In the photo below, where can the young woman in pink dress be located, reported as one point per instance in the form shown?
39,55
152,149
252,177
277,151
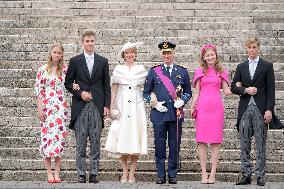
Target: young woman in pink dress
207,108
52,109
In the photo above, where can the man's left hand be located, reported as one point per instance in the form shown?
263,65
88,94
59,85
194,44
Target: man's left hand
178,103
106,112
267,116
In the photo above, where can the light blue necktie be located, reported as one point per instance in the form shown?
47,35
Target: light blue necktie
89,64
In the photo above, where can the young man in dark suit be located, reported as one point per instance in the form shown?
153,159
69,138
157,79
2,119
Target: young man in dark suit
89,104
257,99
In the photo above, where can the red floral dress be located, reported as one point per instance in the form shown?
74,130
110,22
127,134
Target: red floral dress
50,89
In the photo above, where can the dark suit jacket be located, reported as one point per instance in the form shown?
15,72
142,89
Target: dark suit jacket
263,80
98,84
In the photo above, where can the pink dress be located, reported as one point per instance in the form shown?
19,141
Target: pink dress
209,121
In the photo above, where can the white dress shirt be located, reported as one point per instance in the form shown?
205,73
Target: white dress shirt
171,68
89,61
252,68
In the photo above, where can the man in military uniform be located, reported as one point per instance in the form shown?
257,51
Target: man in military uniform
170,85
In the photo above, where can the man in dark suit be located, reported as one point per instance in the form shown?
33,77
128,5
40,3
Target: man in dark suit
171,85
257,99
89,104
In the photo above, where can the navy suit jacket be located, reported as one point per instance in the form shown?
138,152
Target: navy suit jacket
153,83
98,84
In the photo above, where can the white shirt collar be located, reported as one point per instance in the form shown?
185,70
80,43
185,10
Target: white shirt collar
171,66
255,60
88,56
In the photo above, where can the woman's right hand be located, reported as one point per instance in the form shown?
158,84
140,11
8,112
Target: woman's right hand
41,115
192,113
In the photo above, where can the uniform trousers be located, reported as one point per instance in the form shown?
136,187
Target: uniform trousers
162,131
252,124
88,124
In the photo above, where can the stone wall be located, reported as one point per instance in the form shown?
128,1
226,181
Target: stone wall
28,28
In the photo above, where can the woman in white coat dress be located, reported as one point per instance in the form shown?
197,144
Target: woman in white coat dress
127,136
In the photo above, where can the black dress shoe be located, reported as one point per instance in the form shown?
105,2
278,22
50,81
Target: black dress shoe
82,179
172,180
161,180
260,181
244,181
93,179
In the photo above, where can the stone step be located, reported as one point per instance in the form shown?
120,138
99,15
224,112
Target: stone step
188,131
78,8
37,4
144,25
225,49
154,57
41,21
125,33
228,143
237,13
240,1
34,65
141,12
26,116
29,83
27,30
229,103
145,5
141,176
186,154
31,73
196,37
149,166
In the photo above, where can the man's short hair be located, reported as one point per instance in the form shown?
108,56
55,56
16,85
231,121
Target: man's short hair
251,40
88,33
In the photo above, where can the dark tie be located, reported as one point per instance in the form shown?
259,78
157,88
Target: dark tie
168,71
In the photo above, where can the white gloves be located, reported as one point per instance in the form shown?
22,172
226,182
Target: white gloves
179,103
159,106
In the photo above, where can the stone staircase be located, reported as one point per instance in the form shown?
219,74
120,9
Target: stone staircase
28,28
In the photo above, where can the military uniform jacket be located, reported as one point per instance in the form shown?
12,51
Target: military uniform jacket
179,76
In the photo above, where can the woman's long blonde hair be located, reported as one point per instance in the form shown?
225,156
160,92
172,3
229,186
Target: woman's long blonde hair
60,63
203,64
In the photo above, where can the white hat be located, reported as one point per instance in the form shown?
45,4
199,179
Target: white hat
129,45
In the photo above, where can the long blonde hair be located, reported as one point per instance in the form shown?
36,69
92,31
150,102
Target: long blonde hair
203,64
60,63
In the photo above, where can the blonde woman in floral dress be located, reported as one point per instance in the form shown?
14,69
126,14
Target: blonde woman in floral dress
52,109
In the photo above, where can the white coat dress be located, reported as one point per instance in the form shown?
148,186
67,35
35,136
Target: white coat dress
128,133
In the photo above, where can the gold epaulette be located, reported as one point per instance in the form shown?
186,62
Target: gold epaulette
155,65
180,65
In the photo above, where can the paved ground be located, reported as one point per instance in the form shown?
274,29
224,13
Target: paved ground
139,185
